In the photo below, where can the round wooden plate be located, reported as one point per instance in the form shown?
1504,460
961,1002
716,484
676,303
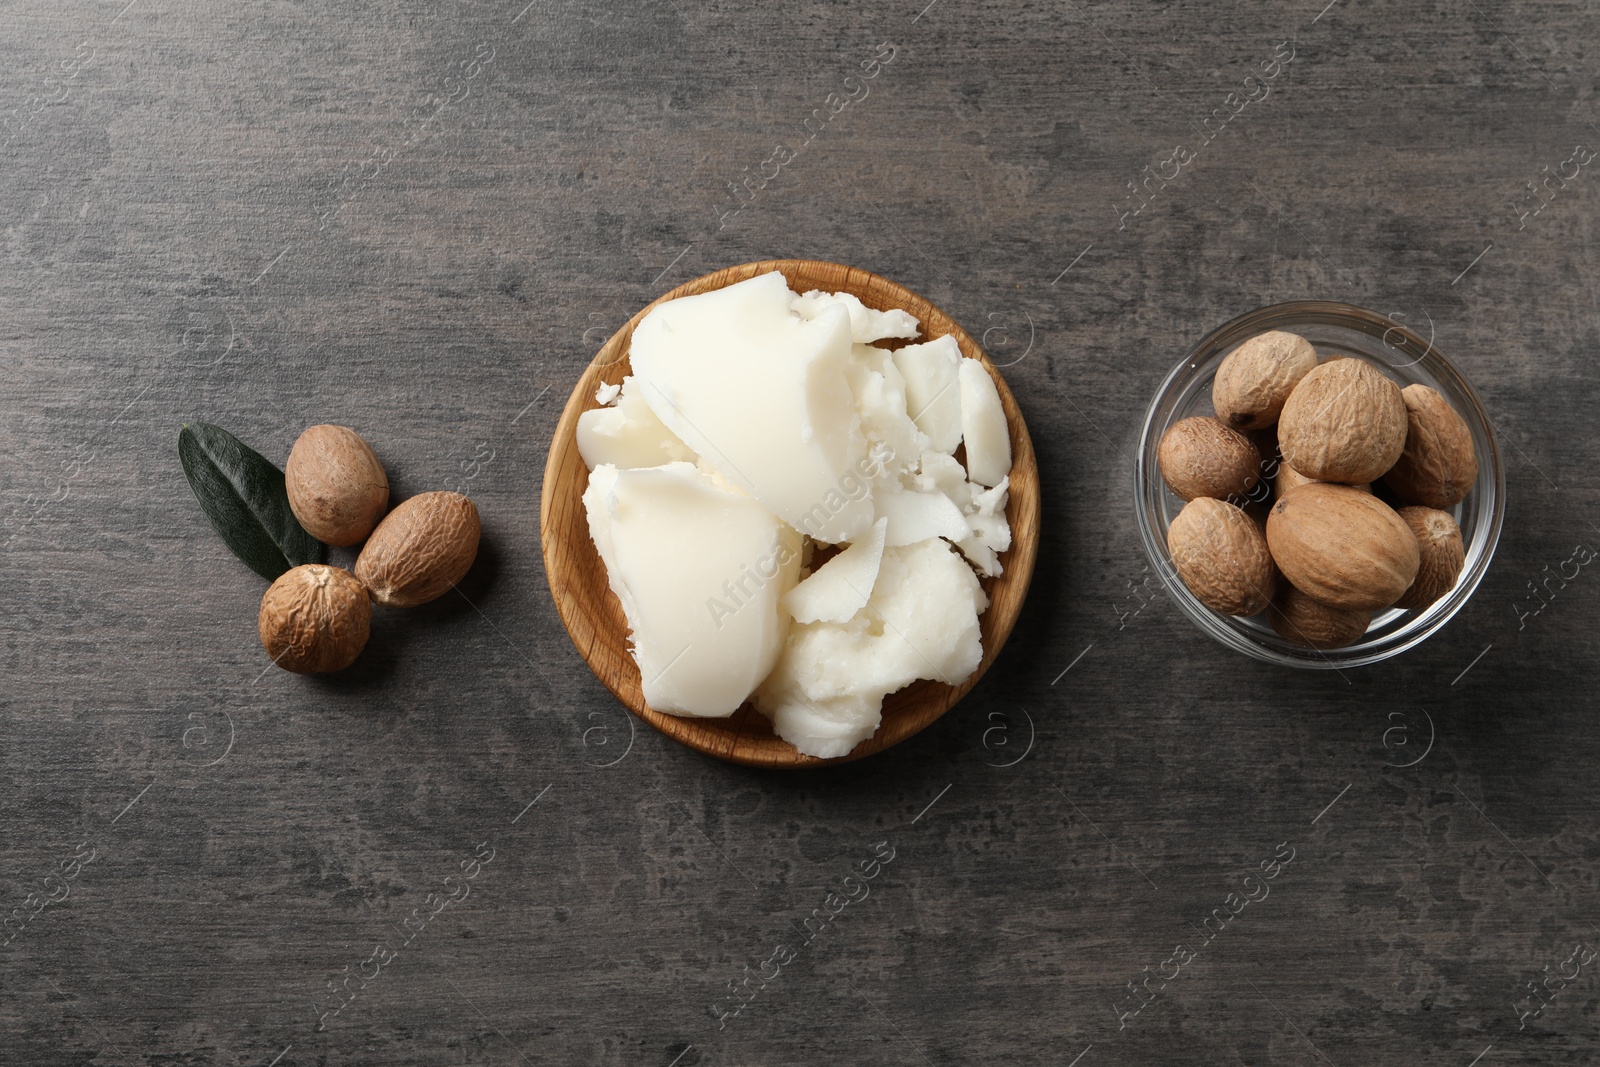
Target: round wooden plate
594,618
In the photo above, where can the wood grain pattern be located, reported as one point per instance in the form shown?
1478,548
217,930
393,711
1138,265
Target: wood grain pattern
594,618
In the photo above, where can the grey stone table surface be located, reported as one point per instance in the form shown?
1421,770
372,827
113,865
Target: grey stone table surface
421,220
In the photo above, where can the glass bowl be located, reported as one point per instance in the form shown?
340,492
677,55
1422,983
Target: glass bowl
1336,330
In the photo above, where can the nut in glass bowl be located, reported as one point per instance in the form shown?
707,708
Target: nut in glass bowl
1336,330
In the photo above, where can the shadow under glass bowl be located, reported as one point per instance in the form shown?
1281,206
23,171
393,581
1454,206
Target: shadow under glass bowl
1335,329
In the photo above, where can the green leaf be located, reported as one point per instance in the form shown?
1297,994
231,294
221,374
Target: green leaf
244,497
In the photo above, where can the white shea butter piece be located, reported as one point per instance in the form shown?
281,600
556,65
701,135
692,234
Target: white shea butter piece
991,532
880,396
992,501
627,434
866,324
825,727
913,516
825,696
758,426
980,556
942,473
701,572
983,425
764,396
840,587
933,397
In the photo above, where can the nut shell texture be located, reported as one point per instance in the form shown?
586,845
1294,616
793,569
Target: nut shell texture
337,488
1345,422
1288,478
1342,546
1309,623
422,548
1255,379
1438,464
314,618
1222,557
1201,457
1442,556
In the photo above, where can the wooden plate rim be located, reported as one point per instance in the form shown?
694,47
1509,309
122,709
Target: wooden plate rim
733,736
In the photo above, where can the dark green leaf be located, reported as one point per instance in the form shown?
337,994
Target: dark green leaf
244,497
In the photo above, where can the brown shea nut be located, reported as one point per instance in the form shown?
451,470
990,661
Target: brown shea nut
1309,623
1201,457
1288,478
1345,422
422,548
314,618
1438,465
1221,555
1255,379
1344,547
337,488
1442,556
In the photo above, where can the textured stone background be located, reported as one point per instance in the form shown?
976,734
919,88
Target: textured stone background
422,219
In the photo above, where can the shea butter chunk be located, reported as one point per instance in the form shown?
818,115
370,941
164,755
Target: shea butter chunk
915,516
939,472
825,695
763,395
866,324
880,397
627,434
933,397
840,587
983,425
991,533
700,570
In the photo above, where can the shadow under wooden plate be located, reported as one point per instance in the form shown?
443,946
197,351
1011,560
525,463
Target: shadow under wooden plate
594,618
